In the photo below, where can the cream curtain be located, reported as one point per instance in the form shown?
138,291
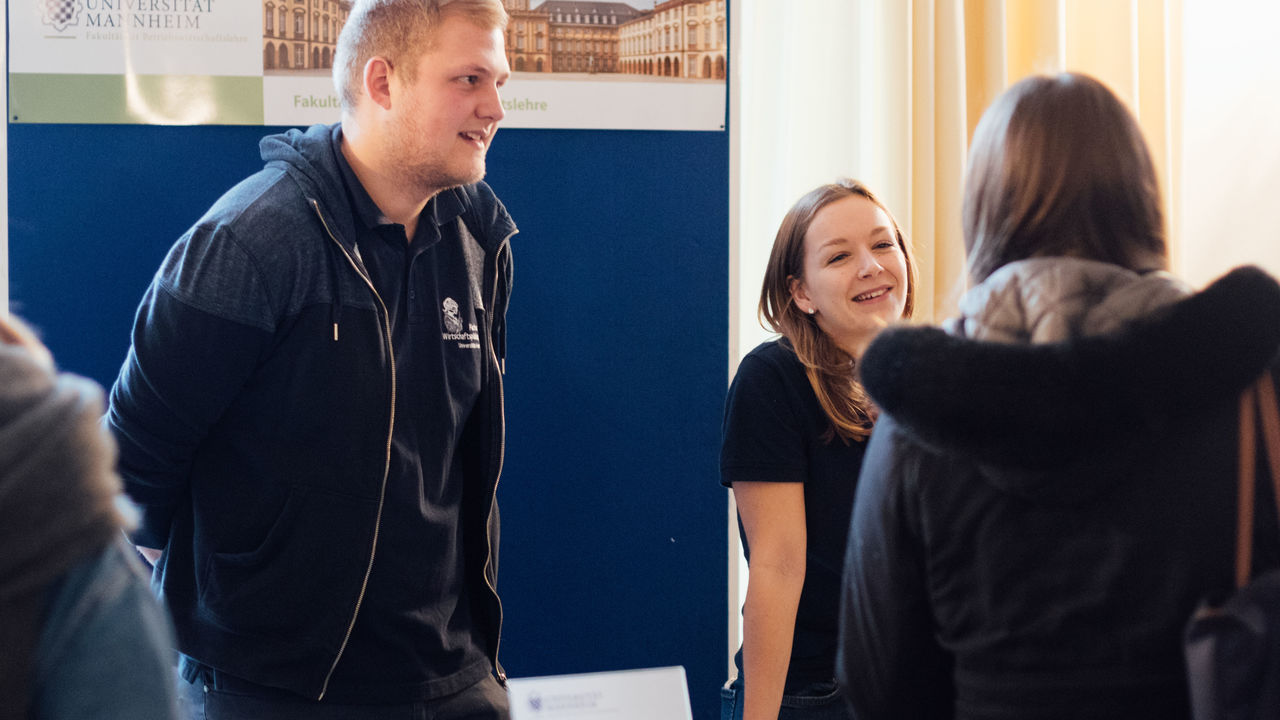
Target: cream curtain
965,52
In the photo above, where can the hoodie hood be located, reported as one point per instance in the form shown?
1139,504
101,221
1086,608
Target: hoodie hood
310,158
1030,413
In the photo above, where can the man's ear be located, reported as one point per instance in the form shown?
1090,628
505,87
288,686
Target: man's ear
377,81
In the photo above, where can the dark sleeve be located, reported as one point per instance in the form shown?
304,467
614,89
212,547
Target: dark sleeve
888,661
106,650
200,331
763,428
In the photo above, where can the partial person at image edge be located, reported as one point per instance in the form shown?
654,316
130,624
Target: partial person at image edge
80,634
1050,492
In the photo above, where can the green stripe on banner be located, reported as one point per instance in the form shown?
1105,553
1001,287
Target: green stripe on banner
135,99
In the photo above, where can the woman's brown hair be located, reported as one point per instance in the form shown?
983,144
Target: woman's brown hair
1059,167
830,369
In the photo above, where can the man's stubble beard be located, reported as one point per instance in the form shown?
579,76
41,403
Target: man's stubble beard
427,170
434,176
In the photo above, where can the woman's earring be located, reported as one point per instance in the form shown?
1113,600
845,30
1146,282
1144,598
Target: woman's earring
813,310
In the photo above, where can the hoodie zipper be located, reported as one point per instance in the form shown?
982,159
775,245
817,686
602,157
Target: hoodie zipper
386,465
502,448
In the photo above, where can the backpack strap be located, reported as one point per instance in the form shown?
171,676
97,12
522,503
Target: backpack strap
1263,395
1267,404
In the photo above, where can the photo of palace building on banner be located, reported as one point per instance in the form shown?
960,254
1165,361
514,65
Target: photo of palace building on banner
549,44
681,39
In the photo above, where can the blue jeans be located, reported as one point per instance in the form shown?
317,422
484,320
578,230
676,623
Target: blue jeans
820,701
485,700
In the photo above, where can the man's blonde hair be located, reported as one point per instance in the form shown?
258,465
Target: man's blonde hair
400,31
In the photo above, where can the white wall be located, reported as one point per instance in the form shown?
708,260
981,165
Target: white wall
1229,204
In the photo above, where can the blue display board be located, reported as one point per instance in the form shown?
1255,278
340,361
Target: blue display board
614,547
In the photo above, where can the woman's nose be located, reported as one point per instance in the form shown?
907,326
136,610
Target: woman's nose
868,266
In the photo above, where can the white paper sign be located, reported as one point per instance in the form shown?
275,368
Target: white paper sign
652,694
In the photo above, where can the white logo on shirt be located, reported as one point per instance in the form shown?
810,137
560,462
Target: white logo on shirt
452,322
469,340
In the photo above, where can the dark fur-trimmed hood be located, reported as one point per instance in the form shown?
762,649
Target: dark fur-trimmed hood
1040,410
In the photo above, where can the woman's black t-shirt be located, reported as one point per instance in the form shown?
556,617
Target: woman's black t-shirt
774,431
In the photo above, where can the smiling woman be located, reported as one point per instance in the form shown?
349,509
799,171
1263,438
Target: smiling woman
794,429
827,339
854,277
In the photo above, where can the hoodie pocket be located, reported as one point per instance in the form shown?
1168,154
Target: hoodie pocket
305,574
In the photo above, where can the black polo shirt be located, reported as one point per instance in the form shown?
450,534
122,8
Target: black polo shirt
414,637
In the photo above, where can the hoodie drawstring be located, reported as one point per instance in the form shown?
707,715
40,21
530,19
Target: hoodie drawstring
335,311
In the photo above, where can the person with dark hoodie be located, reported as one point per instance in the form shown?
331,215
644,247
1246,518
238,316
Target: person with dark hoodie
80,634
311,413
1050,491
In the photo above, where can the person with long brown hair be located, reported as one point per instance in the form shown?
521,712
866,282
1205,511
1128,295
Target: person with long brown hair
795,428
1050,490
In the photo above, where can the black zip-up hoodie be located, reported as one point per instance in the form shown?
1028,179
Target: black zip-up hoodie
254,414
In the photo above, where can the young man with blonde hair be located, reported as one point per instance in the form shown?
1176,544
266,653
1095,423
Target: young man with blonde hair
310,417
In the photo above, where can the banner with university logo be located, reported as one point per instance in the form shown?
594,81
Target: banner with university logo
268,62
